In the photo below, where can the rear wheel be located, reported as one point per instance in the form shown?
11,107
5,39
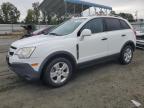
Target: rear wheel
58,72
126,55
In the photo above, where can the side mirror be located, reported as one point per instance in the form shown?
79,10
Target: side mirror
85,32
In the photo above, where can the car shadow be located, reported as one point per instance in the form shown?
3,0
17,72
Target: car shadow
81,72
93,68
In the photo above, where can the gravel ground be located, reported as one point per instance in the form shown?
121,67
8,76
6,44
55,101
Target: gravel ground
106,85
5,43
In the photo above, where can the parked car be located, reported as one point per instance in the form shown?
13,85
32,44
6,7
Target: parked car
140,38
140,44
139,33
78,42
44,30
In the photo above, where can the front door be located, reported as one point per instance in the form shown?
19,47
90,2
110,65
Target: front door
96,45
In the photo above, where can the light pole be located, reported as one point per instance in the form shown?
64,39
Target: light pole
0,12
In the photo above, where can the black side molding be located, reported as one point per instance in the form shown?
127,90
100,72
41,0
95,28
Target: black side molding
77,50
97,61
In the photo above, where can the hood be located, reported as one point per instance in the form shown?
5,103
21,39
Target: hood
35,40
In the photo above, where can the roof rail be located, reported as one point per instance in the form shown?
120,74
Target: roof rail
115,15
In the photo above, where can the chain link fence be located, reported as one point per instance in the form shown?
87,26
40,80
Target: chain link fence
9,28
138,26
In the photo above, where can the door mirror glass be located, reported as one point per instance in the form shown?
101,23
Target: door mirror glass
86,32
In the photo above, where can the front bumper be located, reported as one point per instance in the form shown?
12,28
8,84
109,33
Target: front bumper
24,70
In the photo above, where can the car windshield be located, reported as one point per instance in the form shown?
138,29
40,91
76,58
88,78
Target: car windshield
67,27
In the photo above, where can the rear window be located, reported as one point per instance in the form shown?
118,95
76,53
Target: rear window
124,25
112,24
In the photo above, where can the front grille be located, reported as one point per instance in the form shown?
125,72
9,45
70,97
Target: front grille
11,53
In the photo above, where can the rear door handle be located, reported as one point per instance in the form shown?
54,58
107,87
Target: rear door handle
103,39
123,35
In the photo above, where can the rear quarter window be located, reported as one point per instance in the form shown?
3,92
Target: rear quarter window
124,25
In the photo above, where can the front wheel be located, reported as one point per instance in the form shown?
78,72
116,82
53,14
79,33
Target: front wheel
126,55
58,72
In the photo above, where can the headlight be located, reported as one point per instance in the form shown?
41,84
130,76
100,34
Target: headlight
25,53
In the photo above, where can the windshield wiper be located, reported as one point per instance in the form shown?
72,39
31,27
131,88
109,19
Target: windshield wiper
54,34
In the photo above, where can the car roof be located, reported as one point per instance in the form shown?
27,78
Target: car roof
92,17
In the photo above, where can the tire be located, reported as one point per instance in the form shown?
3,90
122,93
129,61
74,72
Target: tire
126,55
58,72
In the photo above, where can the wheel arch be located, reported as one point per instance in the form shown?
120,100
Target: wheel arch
54,55
131,43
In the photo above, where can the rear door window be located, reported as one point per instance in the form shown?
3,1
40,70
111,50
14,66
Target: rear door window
112,24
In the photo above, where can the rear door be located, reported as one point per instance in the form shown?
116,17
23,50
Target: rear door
117,34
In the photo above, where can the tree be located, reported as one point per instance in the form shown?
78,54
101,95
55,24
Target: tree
1,18
33,15
127,16
141,20
10,14
44,18
49,19
36,12
30,17
113,13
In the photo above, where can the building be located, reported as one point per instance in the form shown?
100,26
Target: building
71,7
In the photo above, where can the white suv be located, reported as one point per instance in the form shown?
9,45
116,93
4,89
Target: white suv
76,42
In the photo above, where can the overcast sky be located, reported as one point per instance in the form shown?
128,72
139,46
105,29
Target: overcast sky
118,5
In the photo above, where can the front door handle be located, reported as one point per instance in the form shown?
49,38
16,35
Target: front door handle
123,35
103,39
